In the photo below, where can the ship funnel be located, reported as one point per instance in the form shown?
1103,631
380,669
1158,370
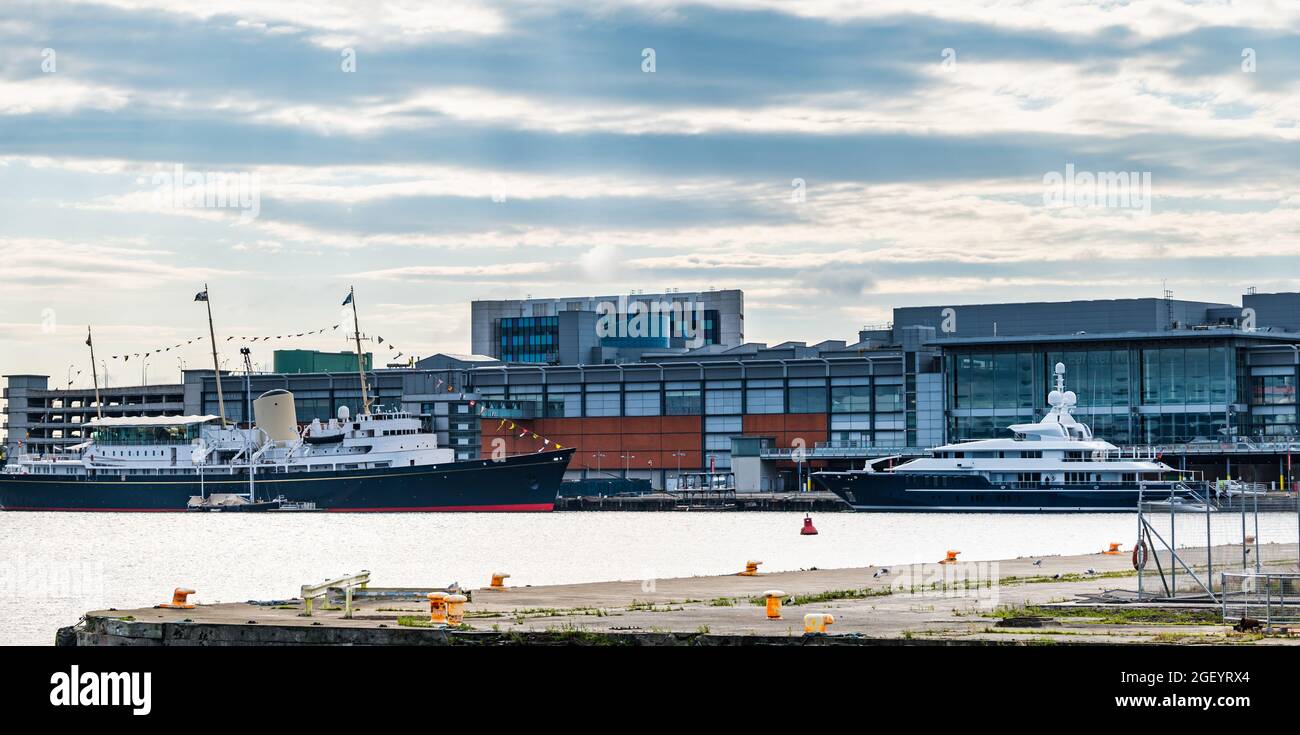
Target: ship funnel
274,414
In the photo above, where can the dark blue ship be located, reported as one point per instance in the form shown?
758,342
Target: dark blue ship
1054,465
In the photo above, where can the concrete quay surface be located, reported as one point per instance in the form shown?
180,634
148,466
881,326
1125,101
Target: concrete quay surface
1009,602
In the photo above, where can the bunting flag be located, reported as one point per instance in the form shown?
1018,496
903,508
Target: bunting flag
523,432
124,357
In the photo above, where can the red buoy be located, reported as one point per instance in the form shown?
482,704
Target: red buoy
808,528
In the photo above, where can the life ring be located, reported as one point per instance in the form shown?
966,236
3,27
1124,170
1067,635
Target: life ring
1140,555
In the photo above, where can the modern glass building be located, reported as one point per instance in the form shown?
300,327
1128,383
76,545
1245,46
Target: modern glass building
596,330
1155,388
529,339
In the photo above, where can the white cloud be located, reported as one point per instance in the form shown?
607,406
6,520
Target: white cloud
337,23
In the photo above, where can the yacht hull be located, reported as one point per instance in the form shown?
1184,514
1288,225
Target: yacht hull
528,482
875,492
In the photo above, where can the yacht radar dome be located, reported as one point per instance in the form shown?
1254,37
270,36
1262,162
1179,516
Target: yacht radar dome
344,413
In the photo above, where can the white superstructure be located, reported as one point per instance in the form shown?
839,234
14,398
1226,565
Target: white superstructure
189,445
1057,450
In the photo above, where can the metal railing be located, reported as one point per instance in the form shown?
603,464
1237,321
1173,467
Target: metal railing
841,449
1272,598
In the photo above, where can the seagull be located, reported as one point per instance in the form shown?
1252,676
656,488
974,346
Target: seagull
877,574
1038,562
885,570
1056,576
1091,570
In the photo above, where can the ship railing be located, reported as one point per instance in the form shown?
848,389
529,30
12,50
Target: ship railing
1081,484
1135,452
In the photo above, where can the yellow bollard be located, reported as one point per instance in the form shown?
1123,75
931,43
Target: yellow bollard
499,580
951,558
456,609
180,600
751,569
817,622
1113,550
774,598
438,608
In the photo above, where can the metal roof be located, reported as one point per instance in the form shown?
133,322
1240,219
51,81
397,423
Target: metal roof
1116,337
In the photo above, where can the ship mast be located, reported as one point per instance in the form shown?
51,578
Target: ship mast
361,367
99,405
216,368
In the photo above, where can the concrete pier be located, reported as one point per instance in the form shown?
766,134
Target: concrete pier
1087,599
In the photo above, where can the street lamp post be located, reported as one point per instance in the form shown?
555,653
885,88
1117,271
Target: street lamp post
627,464
679,454
597,456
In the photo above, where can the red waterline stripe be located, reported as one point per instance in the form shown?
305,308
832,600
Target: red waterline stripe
100,510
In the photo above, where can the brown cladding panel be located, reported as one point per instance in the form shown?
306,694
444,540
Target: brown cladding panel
672,442
641,425
680,424
641,441
609,425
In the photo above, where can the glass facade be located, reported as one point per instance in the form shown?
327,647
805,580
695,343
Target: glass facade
536,339
1129,393
533,339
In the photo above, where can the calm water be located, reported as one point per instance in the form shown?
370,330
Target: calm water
55,566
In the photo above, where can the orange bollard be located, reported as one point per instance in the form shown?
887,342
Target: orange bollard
817,622
438,608
1113,550
774,598
180,600
499,580
951,558
456,609
751,569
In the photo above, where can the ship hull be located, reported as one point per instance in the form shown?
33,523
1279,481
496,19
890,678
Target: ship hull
876,492
525,483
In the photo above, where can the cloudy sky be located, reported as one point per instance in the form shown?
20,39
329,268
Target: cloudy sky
833,159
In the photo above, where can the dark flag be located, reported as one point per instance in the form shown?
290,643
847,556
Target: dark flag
201,295
348,300
88,337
